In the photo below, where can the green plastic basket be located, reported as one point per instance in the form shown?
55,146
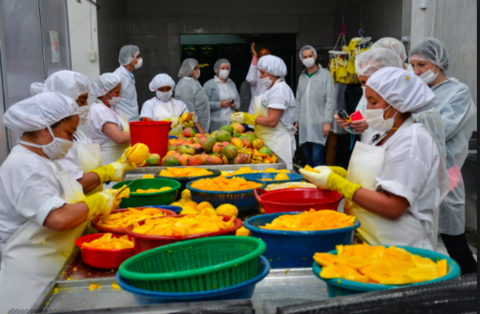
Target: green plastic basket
195,265
144,199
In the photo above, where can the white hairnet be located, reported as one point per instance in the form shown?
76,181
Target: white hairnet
219,63
430,49
403,90
161,80
104,84
127,54
372,60
65,82
187,67
393,44
39,111
272,65
307,47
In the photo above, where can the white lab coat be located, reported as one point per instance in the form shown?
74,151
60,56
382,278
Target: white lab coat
257,88
158,110
192,94
129,103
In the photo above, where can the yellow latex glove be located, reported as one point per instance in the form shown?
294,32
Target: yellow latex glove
243,117
329,180
120,168
104,202
339,170
105,173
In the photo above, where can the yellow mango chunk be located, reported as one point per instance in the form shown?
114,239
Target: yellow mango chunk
324,259
422,274
243,232
442,267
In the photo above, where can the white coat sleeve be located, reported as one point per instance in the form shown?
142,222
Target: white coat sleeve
210,89
100,117
147,110
252,75
237,97
455,112
330,99
186,93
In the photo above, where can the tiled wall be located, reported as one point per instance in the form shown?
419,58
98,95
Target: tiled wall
455,24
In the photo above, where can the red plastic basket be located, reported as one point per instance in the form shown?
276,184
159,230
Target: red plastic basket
101,258
121,231
154,134
297,200
146,242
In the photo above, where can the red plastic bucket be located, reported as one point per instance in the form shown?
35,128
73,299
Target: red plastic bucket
154,134
297,200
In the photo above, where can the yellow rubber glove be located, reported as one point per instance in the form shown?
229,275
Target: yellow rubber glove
104,202
249,118
105,173
237,117
120,168
339,170
329,180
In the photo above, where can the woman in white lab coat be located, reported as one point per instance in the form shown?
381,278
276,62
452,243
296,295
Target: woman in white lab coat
223,95
273,111
163,106
392,185
42,210
104,125
84,160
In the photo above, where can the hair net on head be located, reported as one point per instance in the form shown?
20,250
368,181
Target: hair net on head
161,80
393,44
403,90
272,65
219,63
187,67
104,84
307,47
40,111
127,54
68,83
430,49
372,60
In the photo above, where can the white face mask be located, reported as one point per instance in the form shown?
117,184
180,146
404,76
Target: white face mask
198,75
376,121
83,114
309,62
57,149
139,64
266,81
224,74
164,96
363,91
114,101
429,77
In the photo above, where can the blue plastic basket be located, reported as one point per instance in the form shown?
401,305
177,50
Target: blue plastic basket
243,290
343,287
244,200
171,137
176,209
295,249
259,176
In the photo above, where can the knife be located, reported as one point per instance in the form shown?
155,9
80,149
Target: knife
125,187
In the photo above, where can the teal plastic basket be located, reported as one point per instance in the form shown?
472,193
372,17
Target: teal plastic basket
195,265
144,199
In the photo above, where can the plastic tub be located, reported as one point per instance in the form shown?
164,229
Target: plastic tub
241,291
297,200
175,209
101,258
121,230
196,265
184,180
144,242
288,185
144,199
268,175
244,200
294,249
154,134
342,287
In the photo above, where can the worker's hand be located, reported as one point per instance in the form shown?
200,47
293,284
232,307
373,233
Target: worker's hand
342,122
254,53
319,179
189,124
359,126
339,170
296,126
113,171
237,117
326,129
225,103
102,203
233,105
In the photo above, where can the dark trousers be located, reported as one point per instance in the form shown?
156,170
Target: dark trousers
457,248
314,154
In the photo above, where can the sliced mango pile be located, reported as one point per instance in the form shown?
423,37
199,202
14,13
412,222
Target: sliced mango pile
141,191
185,172
205,222
246,170
311,221
224,184
378,264
107,242
123,219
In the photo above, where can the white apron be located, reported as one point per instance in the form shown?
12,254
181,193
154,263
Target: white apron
278,139
365,163
34,255
124,121
165,111
90,158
